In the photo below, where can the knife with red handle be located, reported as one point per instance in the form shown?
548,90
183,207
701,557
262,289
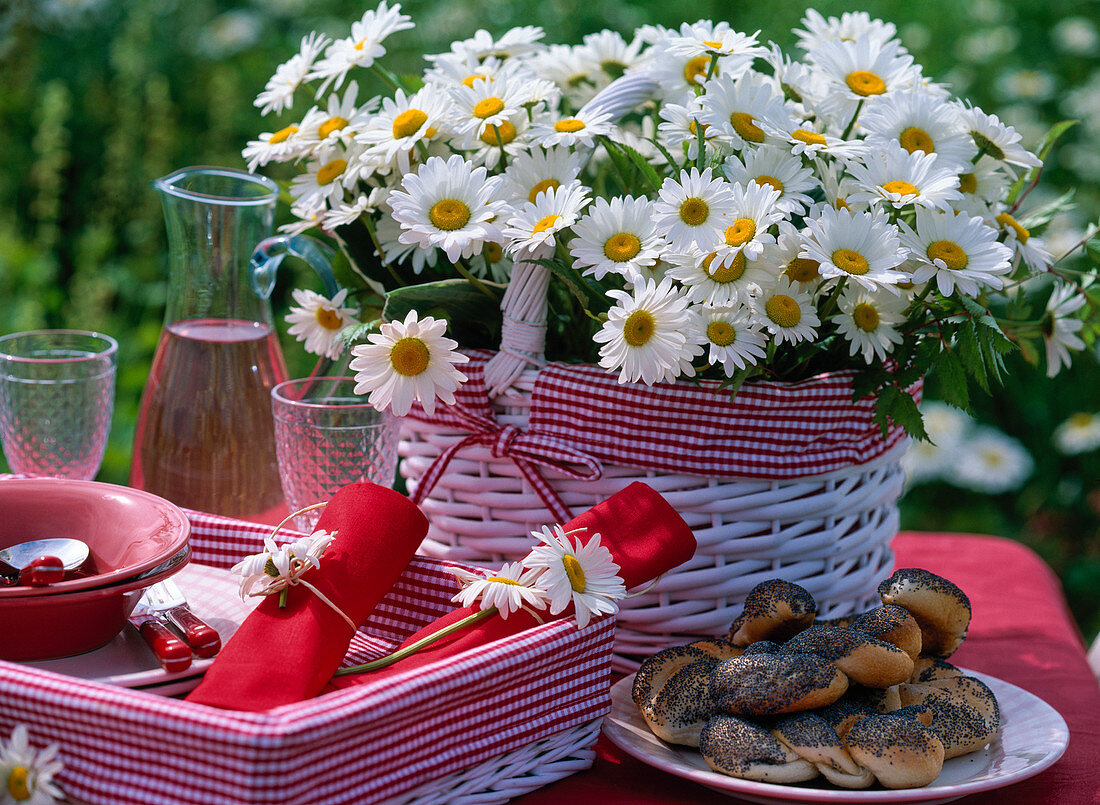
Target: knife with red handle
171,652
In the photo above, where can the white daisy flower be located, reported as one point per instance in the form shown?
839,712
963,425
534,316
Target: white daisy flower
336,124
1059,329
391,135
612,53
808,138
572,70
731,336
571,572
363,47
616,237
508,589
344,214
957,251
786,311
582,129
514,42
946,427
511,138
27,774
276,568
869,320
863,68
679,127
893,175
449,205
539,170
773,165
737,109
848,27
754,213
1019,240
317,320
306,218
996,140
497,264
645,335
990,462
919,121
678,76
717,278
859,246
535,225
737,50
692,211
981,185
1078,434
283,145
783,257
407,361
486,104
394,251
452,70
279,92
322,184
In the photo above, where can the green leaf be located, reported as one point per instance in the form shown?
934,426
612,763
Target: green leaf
473,318
1029,348
953,384
356,333
971,354
672,163
640,162
1056,131
1043,214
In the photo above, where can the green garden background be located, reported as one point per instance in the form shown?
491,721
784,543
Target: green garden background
99,97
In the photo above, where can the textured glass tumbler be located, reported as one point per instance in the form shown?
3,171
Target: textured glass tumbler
57,392
327,437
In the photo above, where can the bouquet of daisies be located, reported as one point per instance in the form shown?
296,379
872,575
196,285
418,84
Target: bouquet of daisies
753,216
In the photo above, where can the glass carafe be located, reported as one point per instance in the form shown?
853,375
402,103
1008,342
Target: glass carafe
205,437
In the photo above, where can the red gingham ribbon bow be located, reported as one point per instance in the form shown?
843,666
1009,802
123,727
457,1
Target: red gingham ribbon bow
526,449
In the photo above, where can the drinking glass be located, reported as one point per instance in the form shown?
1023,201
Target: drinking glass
57,392
327,437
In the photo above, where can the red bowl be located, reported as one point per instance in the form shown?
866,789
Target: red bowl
127,531
45,627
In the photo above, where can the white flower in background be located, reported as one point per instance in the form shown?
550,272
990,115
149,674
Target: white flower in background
317,320
391,135
407,361
451,70
838,187
982,184
571,572
863,68
486,104
861,247
990,462
1019,240
322,184
869,321
511,138
754,211
532,229
721,39
731,337
919,121
718,278
449,205
276,568
497,265
279,92
536,171
363,47
774,166
305,218
996,140
808,138
737,109
786,311
283,145
946,427
848,27
344,214
679,129
338,121
678,76
893,175
645,335
956,251
26,773
613,54
1059,329
783,258
571,69
616,236
692,211
394,251
581,129
514,42
1078,434
508,589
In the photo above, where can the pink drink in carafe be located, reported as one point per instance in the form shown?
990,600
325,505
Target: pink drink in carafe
204,436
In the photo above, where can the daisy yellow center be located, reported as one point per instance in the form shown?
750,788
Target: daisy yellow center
449,214
783,310
770,181
864,83
282,135
488,107
545,223
694,211
503,133
721,333
329,319
801,269
1006,220
575,573
693,127
1081,419
361,43
639,327
613,67
542,187
331,125
330,171
992,458
569,125
622,247
408,123
745,126
18,785
710,43
409,356
987,146
808,137
696,69
727,273
914,139
493,252
742,231
850,261
901,187
502,580
865,316
841,203
968,183
469,80
953,256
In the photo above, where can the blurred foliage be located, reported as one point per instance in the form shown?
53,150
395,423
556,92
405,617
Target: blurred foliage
101,97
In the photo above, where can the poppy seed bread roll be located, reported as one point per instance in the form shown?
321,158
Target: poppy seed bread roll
891,624
774,610
940,608
813,738
740,748
965,713
771,684
672,692
864,659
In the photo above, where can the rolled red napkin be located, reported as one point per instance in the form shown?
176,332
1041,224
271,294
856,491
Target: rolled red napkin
280,656
645,535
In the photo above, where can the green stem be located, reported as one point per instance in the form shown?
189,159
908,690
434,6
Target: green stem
401,654
852,122
713,66
465,272
388,77
833,300
500,142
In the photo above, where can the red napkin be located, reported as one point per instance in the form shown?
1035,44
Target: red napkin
279,656
646,538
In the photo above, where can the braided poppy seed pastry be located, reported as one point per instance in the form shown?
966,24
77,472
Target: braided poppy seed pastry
879,700
762,647
774,610
740,748
717,647
864,659
672,692
767,684
901,752
941,608
839,620
813,738
891,624
930,669
842,714
965,713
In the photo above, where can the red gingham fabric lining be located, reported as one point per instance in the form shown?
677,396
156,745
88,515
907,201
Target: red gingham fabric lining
359,745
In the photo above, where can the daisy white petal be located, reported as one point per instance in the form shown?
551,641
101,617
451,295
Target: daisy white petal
534,172
318,320
535,225
508,589
737,109
403,122
363,47
868,320
1060,329
572,571
691,211
1030,249
27,774
895,176
1078,434
731,336
848,27
773,165
279,92
996,140
919,121
720,277
581,129
957,251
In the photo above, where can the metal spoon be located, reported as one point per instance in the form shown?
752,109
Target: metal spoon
72,553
